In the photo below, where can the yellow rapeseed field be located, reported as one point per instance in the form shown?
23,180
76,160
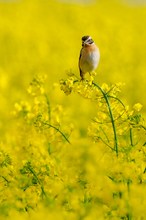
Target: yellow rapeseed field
72,149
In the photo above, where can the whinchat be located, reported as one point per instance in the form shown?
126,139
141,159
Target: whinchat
89,56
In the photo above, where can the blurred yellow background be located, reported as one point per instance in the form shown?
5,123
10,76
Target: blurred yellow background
84,179
45,37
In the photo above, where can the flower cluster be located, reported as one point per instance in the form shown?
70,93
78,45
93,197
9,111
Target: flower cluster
42,172
114,124
33,165
39,114
122,130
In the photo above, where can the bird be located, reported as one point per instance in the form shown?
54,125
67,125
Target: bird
89,56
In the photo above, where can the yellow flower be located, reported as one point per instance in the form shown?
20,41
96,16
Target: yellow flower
18,107
137,107
42,90
105,87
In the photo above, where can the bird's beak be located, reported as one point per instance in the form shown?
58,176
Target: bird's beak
82,44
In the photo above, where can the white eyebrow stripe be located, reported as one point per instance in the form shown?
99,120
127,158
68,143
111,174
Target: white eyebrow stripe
88,40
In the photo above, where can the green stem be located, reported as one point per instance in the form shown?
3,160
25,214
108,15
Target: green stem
131,137
35,175
111,116
49,108
58,130
105,142
5,179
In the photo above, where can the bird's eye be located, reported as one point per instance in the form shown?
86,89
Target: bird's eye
90,41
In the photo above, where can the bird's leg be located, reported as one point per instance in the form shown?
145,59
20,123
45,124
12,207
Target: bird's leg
82,75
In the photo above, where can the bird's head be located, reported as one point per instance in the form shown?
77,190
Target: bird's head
87,40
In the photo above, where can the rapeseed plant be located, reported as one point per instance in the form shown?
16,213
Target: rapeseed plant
40,175
118,128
